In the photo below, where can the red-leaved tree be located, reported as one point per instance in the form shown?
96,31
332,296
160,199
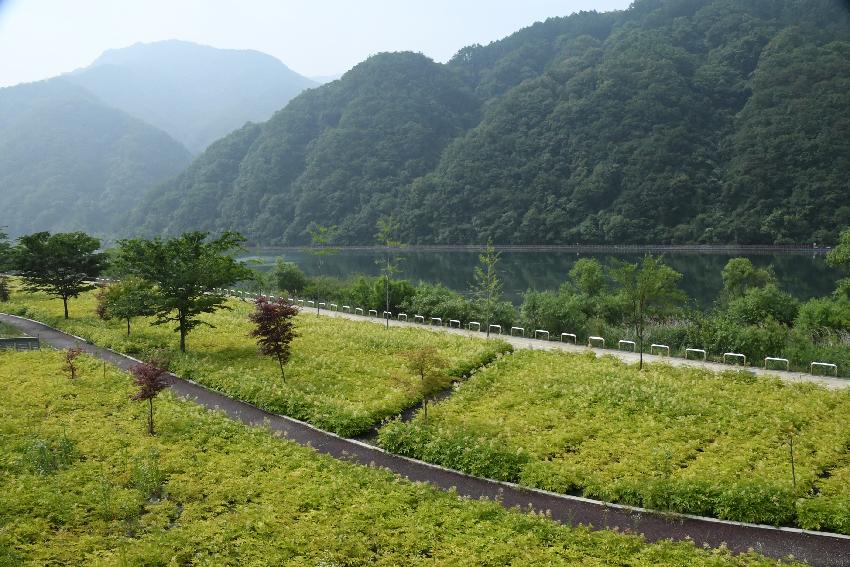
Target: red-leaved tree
274,328
71,356
151,378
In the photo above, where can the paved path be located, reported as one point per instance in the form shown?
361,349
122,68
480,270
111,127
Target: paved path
630,357
814,547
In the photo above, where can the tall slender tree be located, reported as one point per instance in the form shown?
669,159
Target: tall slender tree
387,236
321,238
5,251
487,287
61,265
187,272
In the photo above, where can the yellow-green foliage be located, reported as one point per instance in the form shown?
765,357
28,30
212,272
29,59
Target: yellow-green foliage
673,438
209,491
343,376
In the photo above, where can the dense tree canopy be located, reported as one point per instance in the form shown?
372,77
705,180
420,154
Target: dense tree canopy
61,265
186,272
674,121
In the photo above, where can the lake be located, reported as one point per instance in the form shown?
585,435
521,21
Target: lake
803,273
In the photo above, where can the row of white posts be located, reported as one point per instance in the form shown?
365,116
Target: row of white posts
542,334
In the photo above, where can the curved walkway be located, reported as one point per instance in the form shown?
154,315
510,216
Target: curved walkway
817,548
625,356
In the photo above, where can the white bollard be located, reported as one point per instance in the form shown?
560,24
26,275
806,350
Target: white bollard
654,346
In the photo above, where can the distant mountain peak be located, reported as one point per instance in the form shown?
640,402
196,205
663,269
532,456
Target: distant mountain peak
196,93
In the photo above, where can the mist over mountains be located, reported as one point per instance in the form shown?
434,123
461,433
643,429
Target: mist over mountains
673,121
78,152
70,162
195,93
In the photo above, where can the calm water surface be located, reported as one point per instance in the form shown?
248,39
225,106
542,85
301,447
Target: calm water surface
803,275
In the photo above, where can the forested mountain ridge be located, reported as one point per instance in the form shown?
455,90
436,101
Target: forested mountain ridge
194,92
70,162
673,121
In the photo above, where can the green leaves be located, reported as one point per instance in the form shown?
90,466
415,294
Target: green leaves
59,264
186,272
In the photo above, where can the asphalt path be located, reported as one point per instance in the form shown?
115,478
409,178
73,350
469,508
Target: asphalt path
816,548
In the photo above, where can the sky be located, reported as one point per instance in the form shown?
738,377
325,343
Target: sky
44,38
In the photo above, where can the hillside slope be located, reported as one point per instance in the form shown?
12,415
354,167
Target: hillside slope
195,93
69,162
673,121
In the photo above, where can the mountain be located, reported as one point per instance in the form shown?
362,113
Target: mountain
195,93
674,121
70,162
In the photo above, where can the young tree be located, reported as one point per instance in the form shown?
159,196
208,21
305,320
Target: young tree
840,256
4,289
131,297
321,237
274,328
387,237
288,276
61,264
71,356
650,290
487,287
588,277
740,276
151,378
186,272
5,251
429,366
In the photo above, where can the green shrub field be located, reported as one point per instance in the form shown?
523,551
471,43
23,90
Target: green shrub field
678,439
82,483
344,376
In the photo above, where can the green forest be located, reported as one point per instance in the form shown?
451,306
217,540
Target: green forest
68,161
675,121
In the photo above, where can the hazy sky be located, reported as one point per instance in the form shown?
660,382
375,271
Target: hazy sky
43,38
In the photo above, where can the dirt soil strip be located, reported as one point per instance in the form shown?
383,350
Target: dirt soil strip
816,548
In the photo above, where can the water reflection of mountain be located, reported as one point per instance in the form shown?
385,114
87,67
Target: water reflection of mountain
802,275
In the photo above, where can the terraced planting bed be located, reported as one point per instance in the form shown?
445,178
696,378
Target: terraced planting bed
667,438
82,483
343,376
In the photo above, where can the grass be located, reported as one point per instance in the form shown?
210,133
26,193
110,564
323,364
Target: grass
343,376
8,330
668,438
82,483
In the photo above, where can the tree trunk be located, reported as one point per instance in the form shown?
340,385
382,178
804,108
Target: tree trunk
182,334
425,408
128,326
640,342
387,288
280,362
150,416
65,303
